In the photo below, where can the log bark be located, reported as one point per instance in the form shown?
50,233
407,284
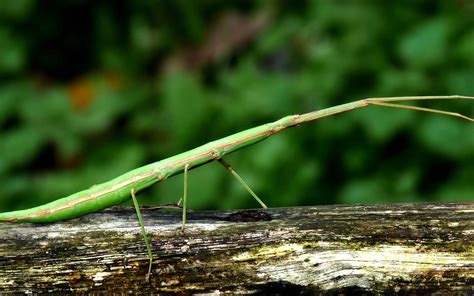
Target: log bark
396,248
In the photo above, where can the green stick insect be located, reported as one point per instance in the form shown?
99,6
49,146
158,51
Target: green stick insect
123,187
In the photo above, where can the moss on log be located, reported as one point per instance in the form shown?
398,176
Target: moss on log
396,248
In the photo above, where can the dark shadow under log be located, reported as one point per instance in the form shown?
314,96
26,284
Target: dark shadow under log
397,248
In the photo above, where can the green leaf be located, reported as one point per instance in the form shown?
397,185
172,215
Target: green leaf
18,147
16,9
185,102
447,136
426,45
12,52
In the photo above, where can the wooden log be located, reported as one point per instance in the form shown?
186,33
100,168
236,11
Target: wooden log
396,248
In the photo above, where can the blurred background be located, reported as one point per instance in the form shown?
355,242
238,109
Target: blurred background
92,89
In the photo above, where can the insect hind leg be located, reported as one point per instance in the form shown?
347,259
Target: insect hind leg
241,181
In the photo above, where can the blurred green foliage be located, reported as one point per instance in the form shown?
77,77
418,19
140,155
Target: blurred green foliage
92,89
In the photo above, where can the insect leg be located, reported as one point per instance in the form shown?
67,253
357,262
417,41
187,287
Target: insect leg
147,242
241,181
185,193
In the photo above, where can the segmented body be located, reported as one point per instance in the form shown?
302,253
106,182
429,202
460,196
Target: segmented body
118,190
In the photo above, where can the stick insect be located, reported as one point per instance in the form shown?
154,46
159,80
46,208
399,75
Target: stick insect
126,186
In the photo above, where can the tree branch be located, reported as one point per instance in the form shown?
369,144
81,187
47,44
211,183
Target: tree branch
412,248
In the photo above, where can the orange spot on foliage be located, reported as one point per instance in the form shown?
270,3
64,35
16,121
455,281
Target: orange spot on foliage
113,80
81,93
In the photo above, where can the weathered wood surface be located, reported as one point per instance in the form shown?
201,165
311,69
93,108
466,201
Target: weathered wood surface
399,248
